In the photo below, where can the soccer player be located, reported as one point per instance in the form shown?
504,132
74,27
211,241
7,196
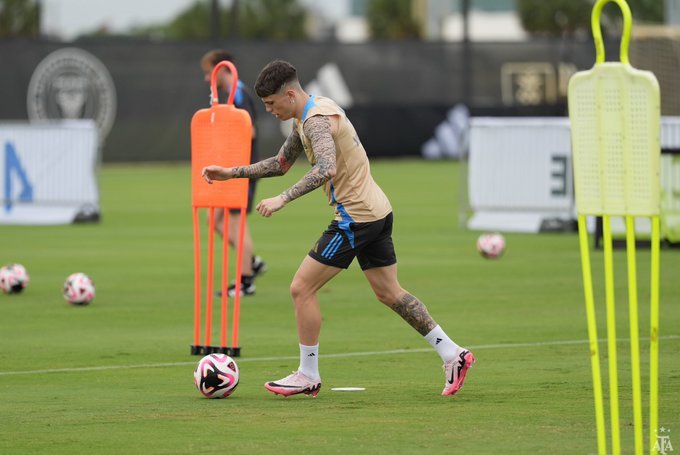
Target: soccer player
362,227
251,265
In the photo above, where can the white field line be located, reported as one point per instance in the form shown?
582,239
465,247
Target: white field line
336,356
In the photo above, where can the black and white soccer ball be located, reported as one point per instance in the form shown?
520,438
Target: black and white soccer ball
216,376
79,289
13,278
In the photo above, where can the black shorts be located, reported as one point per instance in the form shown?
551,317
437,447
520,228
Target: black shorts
251,194
371,243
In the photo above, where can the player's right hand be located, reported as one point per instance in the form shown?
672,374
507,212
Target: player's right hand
214,172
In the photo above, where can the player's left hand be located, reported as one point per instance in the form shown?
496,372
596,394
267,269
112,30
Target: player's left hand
268,206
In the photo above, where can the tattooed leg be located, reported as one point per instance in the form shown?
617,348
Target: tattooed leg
415,313
386,287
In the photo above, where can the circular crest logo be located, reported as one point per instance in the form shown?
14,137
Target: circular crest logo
71,83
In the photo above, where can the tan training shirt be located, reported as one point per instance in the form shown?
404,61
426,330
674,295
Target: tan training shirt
352,191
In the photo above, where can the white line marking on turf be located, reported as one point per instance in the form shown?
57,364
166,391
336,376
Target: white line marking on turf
336,356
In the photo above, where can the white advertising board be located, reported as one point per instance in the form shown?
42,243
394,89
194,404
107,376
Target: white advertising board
48,172
520,174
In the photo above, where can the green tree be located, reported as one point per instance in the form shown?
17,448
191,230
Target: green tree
392,19
257,19
646,10
19,18
192,23
272,19
555,17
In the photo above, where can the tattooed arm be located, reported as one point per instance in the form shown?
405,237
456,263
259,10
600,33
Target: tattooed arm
270,167
318,130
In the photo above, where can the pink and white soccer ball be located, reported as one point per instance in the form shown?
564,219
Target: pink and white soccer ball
13,278
79,289
491,245
216,376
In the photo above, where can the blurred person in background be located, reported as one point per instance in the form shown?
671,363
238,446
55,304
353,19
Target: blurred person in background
362,227
251,265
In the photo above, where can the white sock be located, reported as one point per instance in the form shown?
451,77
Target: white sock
309,361
444,346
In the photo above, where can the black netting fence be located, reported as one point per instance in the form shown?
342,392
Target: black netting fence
400,91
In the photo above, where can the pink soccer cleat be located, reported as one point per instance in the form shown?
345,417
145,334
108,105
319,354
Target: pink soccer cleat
455,371
294,384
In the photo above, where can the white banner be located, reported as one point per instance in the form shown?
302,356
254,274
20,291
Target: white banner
47,172
520,174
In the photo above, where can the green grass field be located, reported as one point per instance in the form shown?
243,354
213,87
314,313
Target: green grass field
116,377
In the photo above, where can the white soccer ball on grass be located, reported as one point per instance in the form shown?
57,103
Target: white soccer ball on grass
79,289
216,376
491,245
13,278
